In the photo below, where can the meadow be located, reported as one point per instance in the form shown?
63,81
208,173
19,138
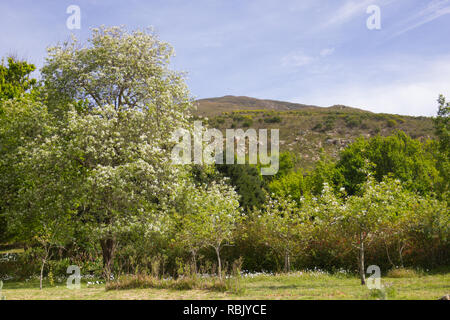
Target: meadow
307,285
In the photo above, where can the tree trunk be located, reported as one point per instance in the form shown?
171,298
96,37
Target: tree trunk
108,249
219,262
387,253
362,272
42,273
400,253
44,260
194,261
287,262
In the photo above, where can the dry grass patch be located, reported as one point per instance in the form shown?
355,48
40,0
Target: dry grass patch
402,273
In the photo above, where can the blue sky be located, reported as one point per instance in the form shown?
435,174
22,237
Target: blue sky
308,51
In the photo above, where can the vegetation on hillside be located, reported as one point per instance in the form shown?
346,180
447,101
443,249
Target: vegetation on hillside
310,131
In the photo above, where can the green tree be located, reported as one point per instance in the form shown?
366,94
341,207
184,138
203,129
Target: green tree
442,131
405,158
442,124
36,199
208,217
21,122
363,216
325,171
286,164
247,181
15,81
287,227
290,185
399,219
15,78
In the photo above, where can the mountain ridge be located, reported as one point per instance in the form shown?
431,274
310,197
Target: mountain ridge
216,105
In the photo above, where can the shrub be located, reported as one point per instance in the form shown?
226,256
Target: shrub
364,126
238,117
19,266
274,119
247,123
329,123
132,282
143,281
352,122
391,123
402,273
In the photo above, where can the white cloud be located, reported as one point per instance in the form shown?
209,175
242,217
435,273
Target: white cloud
326,52
297,59
347,11
435,9
401,98
413,93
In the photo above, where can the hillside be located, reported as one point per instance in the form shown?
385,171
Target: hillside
215,106
306,129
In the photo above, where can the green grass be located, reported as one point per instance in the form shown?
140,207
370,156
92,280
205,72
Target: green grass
15,250
307,285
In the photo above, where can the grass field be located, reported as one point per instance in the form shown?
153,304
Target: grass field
309,285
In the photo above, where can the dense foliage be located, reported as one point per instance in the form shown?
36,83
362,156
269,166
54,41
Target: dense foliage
15,78
86,179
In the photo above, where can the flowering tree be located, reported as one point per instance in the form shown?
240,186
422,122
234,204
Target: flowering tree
364,216
209,218
127,177
288,227
121,69
400,216
116,103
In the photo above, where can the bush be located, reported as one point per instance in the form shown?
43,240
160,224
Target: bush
143,281
352,122
364,126
402,273
238,117
275,119
329,123
391,123
247,123
19,266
